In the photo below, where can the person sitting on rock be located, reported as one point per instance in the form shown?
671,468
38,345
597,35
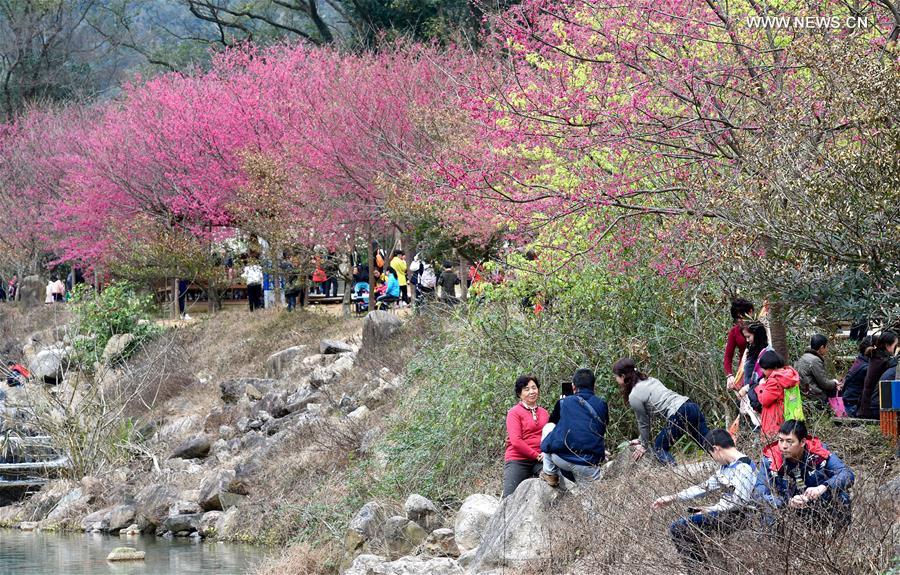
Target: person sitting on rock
735,478
391,293
811,367
800,473
524,423
577,444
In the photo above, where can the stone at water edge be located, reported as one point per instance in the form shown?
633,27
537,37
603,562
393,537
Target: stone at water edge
125,554
131,531
28,526
374,564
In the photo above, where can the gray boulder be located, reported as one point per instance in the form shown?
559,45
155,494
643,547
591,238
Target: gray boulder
378,329
228,526
402,536
208,522
278,362
97,521
213,487
323,375
66,505
186,522
116,346
332,346
49,364
196,448
376,565
518,532
365,526
472,518
153,502
121,517
423,511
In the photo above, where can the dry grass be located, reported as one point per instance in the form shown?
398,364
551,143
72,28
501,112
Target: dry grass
301,559
612,530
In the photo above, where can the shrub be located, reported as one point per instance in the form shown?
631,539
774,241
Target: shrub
118,309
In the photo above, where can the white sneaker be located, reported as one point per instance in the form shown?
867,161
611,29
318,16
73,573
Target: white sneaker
186,317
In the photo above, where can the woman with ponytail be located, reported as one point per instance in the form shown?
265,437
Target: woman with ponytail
647,396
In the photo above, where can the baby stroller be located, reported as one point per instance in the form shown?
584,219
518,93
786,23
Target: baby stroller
360,297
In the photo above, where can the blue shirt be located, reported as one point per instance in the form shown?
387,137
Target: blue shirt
393,286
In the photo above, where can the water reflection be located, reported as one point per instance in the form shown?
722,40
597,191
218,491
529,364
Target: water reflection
42,553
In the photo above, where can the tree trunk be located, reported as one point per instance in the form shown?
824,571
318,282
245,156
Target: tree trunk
276,272
463,278
778,328
173,310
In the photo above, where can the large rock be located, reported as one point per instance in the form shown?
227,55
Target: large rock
365,526
186,522
520,529
196,448
49,364
401,536
378,329
423,511
232,390
66,505
117,346
121,517
97,521
472,518
229,524
31,291
331,346
376,565
208,523
153,503
278,362
212,489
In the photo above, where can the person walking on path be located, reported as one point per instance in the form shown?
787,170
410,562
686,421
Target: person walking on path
648,397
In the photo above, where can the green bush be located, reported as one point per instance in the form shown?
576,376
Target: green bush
450,435
118,309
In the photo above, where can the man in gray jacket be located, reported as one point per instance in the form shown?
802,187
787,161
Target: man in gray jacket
811,367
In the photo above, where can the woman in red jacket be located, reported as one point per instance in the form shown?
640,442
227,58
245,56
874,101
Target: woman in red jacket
771,392
524,424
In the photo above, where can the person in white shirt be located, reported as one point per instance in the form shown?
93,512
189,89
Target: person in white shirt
735,478
253,276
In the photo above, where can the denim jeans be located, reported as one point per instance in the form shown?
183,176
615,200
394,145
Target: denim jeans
688,419
691,535
553,463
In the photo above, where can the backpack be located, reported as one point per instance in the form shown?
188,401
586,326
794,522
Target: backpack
793,404
428,279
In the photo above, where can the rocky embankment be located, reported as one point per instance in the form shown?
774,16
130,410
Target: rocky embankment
202,466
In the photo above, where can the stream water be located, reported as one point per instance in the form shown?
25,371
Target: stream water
43,553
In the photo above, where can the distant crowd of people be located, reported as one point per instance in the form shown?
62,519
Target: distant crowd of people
793,469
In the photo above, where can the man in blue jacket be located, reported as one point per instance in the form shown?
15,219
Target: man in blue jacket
576,444
799,473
